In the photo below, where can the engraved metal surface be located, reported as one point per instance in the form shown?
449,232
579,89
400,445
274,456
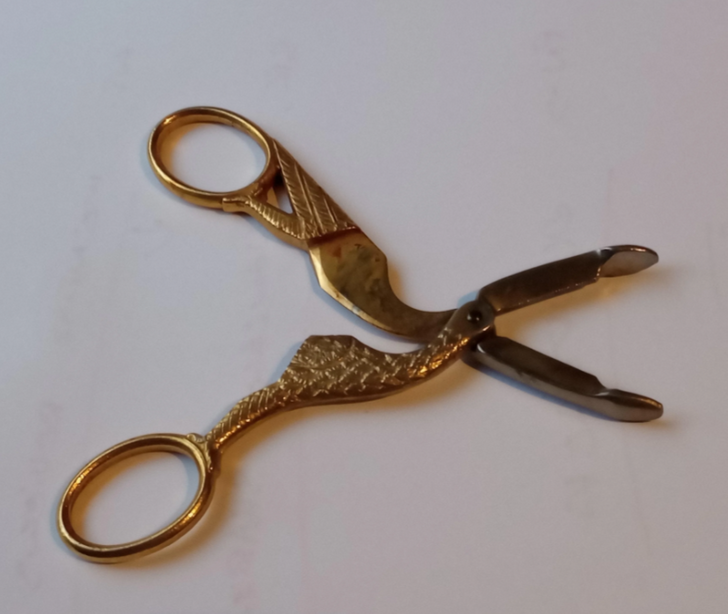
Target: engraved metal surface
349,266
340,369
315,214
325,370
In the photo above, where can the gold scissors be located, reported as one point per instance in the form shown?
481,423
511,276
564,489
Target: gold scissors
340,369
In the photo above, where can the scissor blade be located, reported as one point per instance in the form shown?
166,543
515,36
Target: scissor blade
550,280
558,379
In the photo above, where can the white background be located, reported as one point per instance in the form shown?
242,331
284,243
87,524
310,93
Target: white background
470,140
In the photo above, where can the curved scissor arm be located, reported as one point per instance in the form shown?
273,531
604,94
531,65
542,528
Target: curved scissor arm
349,267
325,370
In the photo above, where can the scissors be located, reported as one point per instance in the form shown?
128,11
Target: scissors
341,369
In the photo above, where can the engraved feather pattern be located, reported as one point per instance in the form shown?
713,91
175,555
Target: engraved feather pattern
319,215
315,214
339,369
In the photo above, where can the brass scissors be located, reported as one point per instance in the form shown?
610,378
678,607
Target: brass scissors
340,369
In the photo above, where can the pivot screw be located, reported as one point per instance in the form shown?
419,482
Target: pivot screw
475,316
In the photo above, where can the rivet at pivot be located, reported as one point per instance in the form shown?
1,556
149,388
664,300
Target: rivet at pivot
475,316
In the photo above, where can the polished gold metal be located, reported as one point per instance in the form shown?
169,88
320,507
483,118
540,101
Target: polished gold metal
161,442
325,370
349,266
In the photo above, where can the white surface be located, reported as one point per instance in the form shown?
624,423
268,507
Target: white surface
470,140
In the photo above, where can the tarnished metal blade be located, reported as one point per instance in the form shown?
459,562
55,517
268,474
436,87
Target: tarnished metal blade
556,378
549,280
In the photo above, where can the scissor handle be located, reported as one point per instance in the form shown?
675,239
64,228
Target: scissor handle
210,115
193,446
314,214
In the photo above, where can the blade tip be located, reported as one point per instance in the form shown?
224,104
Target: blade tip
630,407
627,260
